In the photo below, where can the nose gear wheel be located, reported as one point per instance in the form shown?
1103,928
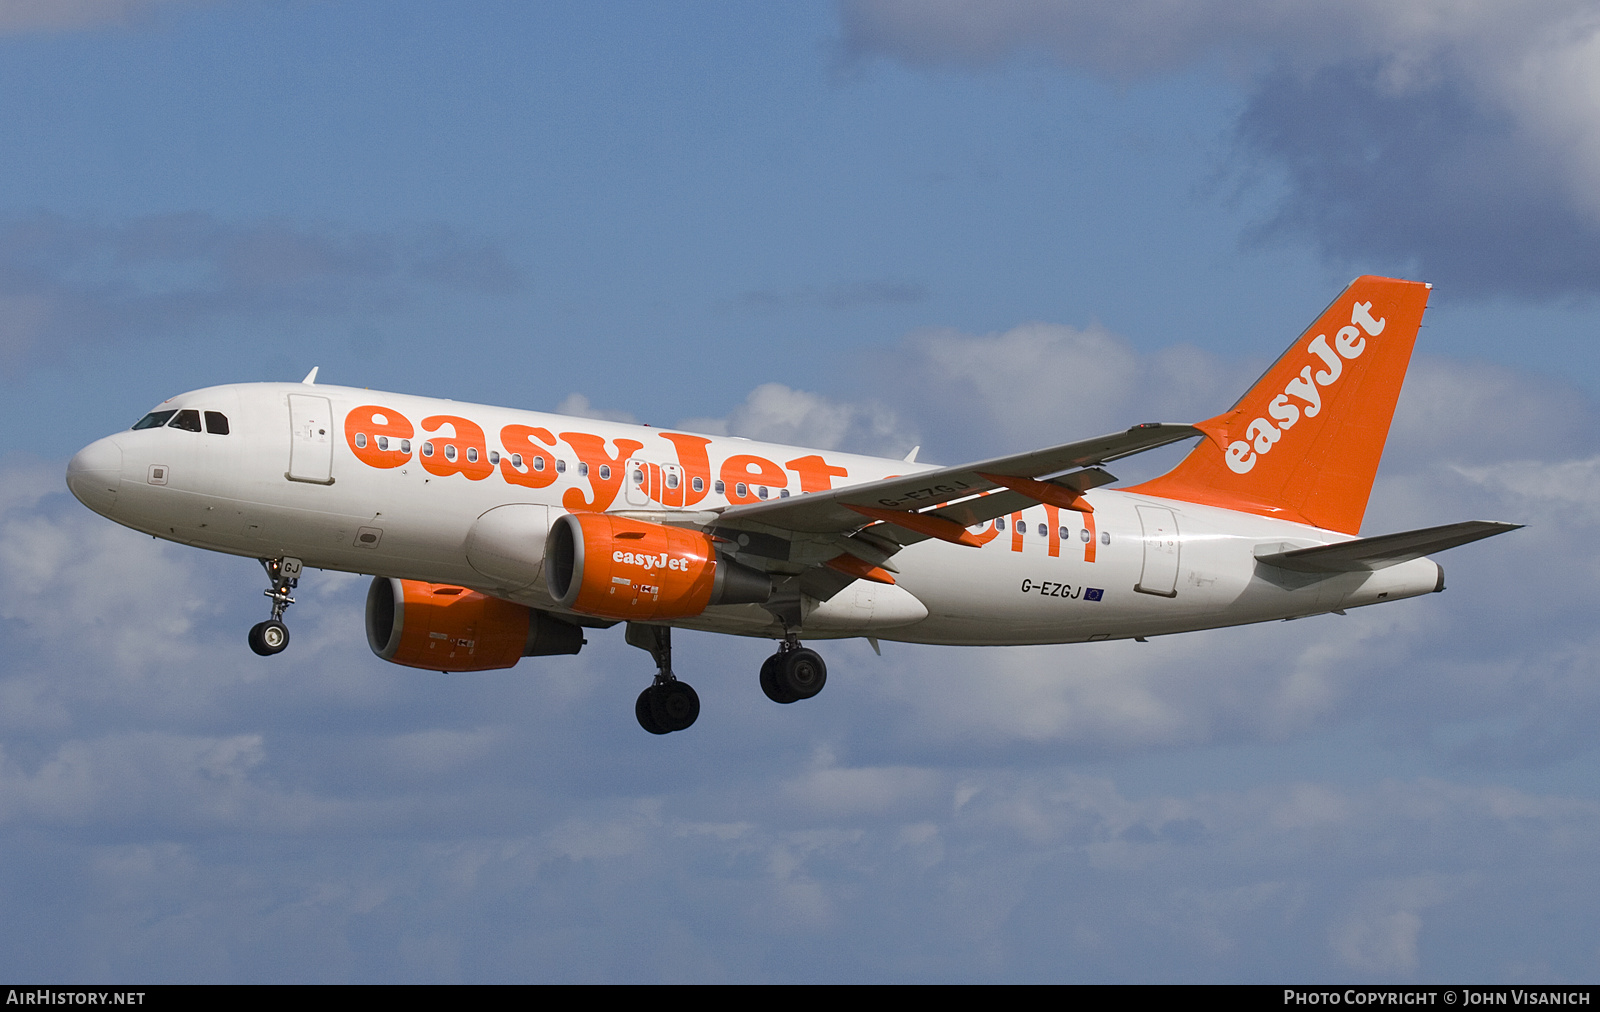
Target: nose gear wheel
269,637
272,636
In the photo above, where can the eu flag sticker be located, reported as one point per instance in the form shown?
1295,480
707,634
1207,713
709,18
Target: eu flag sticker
1093,593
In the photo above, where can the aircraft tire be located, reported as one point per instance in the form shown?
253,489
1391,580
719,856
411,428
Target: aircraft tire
800,673
645,712
769,681
269,637
674,705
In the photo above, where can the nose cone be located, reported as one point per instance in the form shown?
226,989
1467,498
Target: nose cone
94,473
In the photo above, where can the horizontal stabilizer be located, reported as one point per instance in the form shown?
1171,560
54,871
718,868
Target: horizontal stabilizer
1382,551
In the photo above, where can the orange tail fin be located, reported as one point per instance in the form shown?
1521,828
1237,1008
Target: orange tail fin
1304,443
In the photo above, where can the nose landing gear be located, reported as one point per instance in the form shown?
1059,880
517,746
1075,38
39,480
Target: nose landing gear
270,637
667,705
793,673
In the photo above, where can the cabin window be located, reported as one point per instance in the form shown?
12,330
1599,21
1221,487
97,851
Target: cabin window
427,449
783,493
721,487
472,454
638,476
538,461
742,490
188,420
154,420
697,483
494,456
561,466
672,479
761,491
1105,537
450,452
605,472
383,442
361,440
405,446
1044,532
999,523
216,423
583,469
1084,535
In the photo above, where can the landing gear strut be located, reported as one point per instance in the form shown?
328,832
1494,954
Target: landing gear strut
270,637
793,673
667,705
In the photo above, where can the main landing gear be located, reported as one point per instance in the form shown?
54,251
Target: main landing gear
793,673
667,705
270,637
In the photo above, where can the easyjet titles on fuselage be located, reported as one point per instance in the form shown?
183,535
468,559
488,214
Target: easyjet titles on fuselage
381,437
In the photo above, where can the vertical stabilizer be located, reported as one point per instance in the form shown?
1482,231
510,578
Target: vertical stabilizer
1304,443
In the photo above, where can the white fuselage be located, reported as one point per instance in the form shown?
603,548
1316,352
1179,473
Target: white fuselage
288,479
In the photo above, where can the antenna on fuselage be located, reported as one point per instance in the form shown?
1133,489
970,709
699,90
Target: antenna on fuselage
311,377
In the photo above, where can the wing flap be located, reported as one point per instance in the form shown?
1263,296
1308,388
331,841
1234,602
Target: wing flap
1365,554
831,512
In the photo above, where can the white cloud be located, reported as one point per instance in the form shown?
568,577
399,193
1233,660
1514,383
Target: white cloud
778,414
1461,137
1379,936
19,16
579,405
1150,36
67,282
168,800
1042,383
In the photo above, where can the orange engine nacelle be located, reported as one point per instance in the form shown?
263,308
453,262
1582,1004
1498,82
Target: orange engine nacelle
443,627
613,567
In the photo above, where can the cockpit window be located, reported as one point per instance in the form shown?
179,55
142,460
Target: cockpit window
154,420
216,423
188,420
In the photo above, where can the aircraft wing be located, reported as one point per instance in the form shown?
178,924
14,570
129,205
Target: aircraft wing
1384,550
903,501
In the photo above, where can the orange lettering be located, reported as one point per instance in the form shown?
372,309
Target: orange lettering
753,471
1052,516
462,452
379,430
591,450
1088,549
694,462
816,474
519,439
1017,531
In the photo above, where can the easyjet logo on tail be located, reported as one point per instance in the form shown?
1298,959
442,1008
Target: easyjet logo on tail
1303,394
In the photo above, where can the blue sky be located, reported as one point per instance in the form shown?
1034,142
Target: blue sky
870,225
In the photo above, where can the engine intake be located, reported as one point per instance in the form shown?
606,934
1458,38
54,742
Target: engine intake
443,627
613,567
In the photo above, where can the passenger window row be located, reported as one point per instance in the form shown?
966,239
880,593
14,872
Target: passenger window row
540,462
1065,533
